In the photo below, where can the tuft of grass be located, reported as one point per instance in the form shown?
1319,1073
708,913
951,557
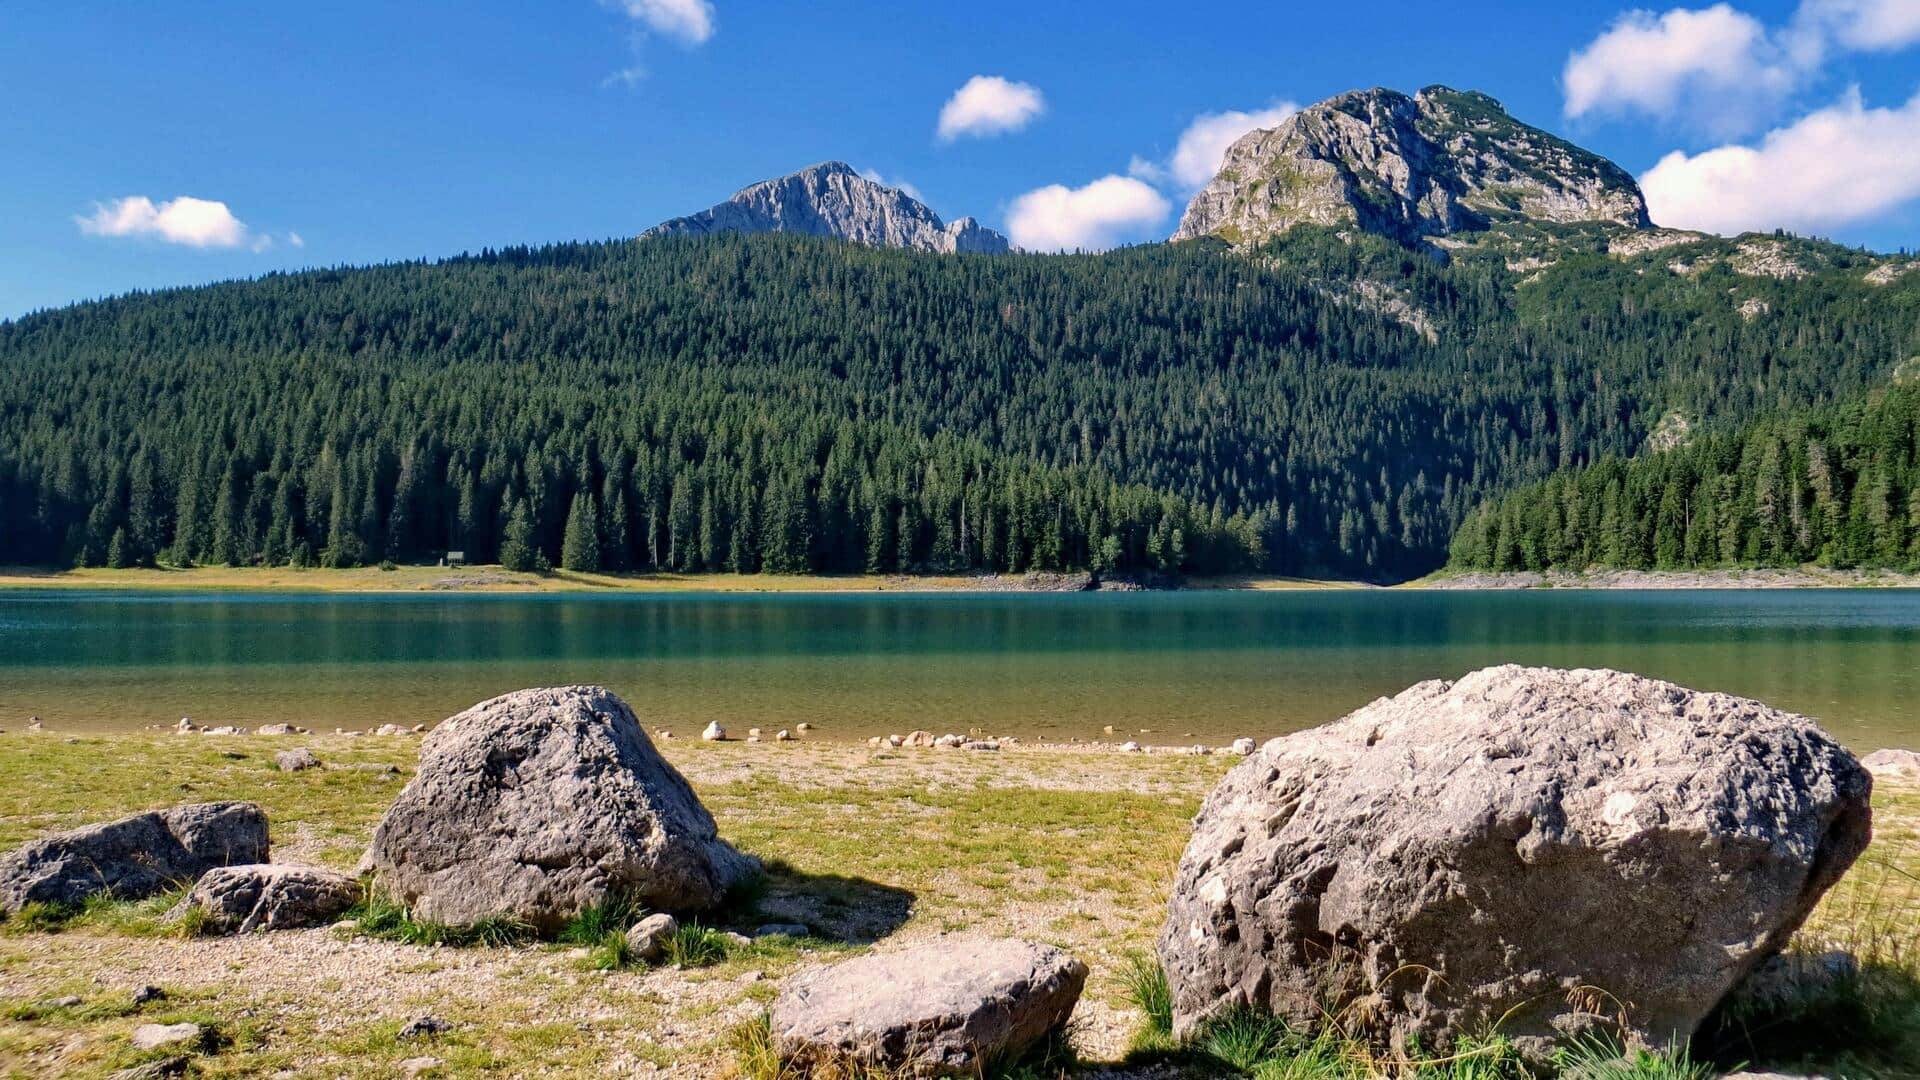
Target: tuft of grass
610,917
1601,1058
1147,990
1243,1038
378,916
694,946
38,916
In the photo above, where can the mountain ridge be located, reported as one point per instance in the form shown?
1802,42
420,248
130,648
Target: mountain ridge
833,199
1411,168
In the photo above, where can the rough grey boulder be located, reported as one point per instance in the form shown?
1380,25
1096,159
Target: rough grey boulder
266,896
133,857
542,803
296,760
940,1008
1514,847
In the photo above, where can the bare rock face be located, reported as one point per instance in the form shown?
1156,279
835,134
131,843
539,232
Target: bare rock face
540,804
266,896
1508,847
942,1008
832,199
134,857
1441,162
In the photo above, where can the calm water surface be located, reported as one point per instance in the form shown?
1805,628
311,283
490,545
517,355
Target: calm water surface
1205,665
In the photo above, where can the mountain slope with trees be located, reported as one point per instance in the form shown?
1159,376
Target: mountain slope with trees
1319,405
1837,486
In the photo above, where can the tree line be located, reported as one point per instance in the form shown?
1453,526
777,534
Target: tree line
1837,486
787,403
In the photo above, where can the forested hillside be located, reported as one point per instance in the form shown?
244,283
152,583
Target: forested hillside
1838,486
784,403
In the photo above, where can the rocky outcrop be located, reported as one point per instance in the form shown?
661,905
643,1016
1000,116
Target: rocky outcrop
1893,764
134,857
832,199
265,896
1441,162
1505,849
947,1007
542,803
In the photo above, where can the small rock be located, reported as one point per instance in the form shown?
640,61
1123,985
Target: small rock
733,938
779,929
803,726
296,760
948,1006
896,740
714,732
980,744
272,896
876,741
919,738
424,1027
647,939
418,729
1893,763
419,1066
274,729
34,724
783,735
1108,730
227,729
1244,746
390,730
146,995
67,1002
155,1036
1129,747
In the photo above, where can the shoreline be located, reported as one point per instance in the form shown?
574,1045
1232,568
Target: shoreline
492,580
1804,577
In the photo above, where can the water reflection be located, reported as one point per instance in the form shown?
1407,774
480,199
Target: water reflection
1211,664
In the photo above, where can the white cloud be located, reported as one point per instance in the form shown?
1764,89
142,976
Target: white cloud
1721,70
893,182
200,223
691,21
1839,165
989,105
1717,63
1866,25
1197,156
1090,218
296,240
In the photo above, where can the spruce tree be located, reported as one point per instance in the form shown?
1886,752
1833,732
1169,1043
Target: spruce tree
580,548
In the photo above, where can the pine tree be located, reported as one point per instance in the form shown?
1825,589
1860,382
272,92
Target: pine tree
517,550
580,549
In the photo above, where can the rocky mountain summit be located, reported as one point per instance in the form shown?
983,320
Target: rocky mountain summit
1412,168
831,199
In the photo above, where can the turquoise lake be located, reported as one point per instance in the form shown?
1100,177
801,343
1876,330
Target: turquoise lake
1179,666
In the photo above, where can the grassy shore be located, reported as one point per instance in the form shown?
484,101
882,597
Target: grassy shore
493,579
865,844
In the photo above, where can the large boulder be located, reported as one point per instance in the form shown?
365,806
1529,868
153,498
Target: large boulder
947,1007
269,896
1515,848
542,803
133,857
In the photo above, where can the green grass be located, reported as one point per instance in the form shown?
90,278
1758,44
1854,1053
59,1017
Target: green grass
377,916
1597,1058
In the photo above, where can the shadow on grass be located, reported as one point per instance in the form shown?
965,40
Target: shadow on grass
835,907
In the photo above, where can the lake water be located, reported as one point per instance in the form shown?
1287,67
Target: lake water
1197,666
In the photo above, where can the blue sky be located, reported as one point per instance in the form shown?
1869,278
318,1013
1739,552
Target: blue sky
361,132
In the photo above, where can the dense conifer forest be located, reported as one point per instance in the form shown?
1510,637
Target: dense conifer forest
783,404
1838,486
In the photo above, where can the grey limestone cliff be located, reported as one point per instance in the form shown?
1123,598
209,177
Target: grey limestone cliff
831,199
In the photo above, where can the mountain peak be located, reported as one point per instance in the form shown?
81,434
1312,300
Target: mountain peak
833,199
1440,162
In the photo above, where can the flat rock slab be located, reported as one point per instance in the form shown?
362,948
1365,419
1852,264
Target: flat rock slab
265,896
134,857
1478,853
942,1008
541,804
